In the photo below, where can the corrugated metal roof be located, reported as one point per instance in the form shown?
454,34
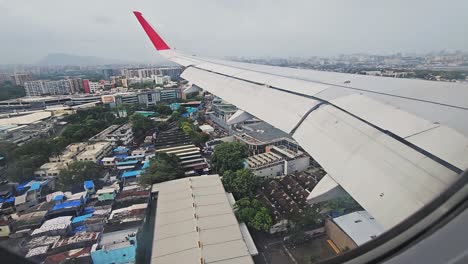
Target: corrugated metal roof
195,222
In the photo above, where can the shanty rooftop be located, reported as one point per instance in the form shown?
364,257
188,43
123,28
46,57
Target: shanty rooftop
195,224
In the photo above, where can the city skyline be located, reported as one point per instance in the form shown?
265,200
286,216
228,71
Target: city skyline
280,30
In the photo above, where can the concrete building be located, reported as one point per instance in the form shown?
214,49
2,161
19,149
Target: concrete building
161,80
115,133
117,247
76,85
59,87
34,88
168,94
21,78
147,73
69,154
49,170
277,161
94,87
221,112
95,151
259,135
195,223
173,72
353,230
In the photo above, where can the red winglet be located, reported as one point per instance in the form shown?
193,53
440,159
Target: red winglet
158,42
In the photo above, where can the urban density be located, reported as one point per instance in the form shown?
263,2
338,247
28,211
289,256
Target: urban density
246,160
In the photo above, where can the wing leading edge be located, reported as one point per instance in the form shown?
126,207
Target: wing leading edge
392,144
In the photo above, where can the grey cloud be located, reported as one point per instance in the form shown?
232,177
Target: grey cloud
106,28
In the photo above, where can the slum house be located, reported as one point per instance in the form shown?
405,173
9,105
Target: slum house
128,217
76,256
116,247
79,240
57,226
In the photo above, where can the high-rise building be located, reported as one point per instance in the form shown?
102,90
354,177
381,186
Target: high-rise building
76,85
86,86
95,86
21,78
173,72
108,73
34,88
161,79
58,87
147,73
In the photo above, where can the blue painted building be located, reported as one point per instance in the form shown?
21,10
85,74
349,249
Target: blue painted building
117,247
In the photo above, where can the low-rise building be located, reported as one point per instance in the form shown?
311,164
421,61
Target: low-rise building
115,133
277,161
257,136
95,151
195,223
352,230
117,247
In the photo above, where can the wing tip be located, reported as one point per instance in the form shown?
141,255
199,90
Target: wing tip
157,41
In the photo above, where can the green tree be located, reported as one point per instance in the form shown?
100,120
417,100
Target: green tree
241,183
141,125
10,91
163,167
78,172
229,156
163,109
253,213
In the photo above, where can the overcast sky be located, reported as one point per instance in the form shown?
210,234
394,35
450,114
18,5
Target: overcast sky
30,29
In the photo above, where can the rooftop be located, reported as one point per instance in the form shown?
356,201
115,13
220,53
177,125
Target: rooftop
195,222
93,149
360,226
261,132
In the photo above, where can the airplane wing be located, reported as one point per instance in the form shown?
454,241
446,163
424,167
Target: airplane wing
393,144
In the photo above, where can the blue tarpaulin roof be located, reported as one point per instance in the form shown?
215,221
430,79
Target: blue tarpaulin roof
88,210
121,149
22,185
81,228
68,204
131,173
81,218
35,186
58,197
121,156
135,157
89,184
129,162
1,200
10,200
145,164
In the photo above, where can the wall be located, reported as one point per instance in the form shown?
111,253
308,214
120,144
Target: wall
117,256
272,171
298,164
338,236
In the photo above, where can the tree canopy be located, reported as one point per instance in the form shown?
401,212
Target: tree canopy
163,167
241,183
229,156
141,125
197,137
77,172
253,213
8,90
25,159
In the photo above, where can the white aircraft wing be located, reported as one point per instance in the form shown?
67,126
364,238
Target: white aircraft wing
393,144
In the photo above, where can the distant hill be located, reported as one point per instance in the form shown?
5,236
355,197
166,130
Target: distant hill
68,59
